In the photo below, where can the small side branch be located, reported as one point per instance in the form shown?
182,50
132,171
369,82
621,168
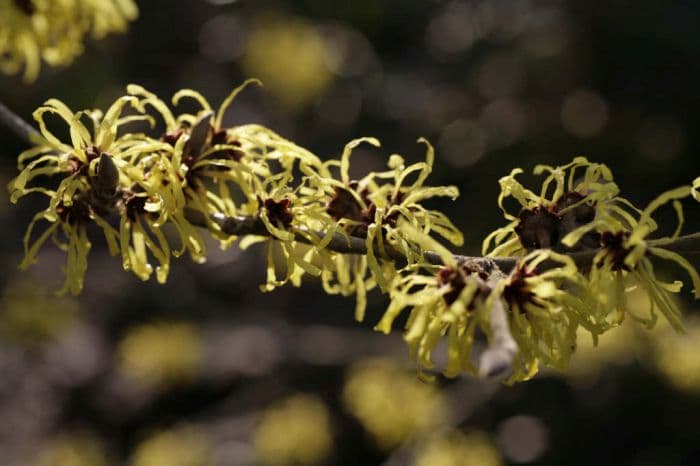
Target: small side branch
497,359
17,125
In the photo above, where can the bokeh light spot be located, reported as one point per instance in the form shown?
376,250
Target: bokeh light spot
182,446
287,54
296,430
222,39
584,113
162,354
391,404
462,143
458,449
661,137
504,122
523,439
501,75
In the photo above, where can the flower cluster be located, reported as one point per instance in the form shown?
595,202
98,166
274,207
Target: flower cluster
144,188
546,296
563,204
584,217
54,30
155,179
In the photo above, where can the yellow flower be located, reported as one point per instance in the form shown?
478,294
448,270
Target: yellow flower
459,449
54,30
451,300
220,170
79,448
372,208
545,310
24,320
392,404
162,354
202,154
289,54
280,219
624,262
296,430
90,184
563,204
676,357
180,446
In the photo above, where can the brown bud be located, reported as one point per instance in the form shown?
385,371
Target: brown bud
198,135
537,228
107,179
575,217
279,212
344,205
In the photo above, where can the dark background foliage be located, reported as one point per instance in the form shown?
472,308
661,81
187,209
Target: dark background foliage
494,84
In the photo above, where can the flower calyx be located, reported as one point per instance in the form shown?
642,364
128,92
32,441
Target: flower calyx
79,212
615,250
543,227
279,212
517,292
456,278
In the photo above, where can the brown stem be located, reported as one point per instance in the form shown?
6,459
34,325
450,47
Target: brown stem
17,125
239,226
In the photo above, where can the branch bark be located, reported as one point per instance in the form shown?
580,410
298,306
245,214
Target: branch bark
17,125
239,226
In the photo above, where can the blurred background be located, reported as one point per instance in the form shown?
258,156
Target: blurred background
206,370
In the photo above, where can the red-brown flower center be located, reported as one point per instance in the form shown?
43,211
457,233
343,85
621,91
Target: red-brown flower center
279,212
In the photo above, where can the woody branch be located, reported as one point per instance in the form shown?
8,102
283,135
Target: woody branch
346,244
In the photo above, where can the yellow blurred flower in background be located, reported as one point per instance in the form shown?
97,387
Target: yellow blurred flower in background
628,343
677,357
32,316
162,354
54,30
294,431
182,446
390,403
287,54
459,449
80,448
619,346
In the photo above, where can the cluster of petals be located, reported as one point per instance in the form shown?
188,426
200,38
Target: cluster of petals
54,31
142,172
150,177
547,296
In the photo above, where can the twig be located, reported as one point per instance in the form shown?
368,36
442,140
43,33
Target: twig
239,226
17,125
496,360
